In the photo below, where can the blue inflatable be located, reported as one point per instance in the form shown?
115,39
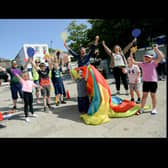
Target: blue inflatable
30,51
136,32
116,100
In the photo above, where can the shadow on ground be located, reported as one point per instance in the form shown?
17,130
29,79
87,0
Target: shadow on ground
2,126
68,112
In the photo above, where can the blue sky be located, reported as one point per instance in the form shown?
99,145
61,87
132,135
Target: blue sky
16,32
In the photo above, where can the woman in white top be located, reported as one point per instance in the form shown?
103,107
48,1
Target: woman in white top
118,64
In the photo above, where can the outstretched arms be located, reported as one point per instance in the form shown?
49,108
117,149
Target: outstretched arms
107,50
93,47
73,53
132,59
34,66
50,64
159,53
25,65
125,50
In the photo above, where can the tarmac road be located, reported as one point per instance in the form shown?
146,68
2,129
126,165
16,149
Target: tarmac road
64,121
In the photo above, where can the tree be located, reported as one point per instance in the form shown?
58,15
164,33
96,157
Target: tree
118,31
77,36
113,31
51,50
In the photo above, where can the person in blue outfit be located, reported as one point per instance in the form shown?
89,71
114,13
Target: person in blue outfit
58,84
83,58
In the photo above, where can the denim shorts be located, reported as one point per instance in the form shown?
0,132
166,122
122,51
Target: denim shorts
15,88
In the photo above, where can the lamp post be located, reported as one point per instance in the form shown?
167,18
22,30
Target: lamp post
51,44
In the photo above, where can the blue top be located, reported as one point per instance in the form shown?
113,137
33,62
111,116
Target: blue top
82,61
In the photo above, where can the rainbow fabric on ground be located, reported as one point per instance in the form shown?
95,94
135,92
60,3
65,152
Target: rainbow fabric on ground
102,106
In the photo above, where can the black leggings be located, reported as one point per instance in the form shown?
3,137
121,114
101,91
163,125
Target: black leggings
28,101
117,72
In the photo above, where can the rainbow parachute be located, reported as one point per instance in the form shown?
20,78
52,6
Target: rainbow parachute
103,106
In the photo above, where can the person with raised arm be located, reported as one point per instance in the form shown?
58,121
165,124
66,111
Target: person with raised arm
83,58
118,64
149,77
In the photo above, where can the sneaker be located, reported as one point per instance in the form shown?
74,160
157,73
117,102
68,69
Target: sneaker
49,106
140,111
154,111
138,101
45,109
27,119
57,103
34,115
63,102
118,92
14,109
126,92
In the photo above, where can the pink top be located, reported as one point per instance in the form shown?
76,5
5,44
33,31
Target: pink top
149,73
27,85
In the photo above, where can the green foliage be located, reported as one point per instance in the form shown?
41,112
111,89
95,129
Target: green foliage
77,36
115,31
118,31
51,50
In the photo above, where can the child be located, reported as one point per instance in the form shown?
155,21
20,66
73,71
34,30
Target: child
44,82
83,99
149,77
58,84
134,79
27,87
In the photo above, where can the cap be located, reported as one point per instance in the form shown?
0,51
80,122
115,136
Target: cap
150,53
150,56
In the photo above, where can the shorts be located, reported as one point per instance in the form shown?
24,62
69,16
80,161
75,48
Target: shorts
150,87
37,83
58,86
134,86
45,91
15,88
83,104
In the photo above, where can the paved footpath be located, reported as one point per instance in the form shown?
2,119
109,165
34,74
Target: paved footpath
64,121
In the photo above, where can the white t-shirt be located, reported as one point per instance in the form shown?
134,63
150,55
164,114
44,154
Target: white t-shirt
118,60
132,73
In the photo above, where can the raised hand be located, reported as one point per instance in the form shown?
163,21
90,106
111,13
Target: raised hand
65,45
30,59
97,37
134,40
103,42
155,47
96,40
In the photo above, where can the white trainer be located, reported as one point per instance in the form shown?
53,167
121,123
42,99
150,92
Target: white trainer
27,119
154,111
34,115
